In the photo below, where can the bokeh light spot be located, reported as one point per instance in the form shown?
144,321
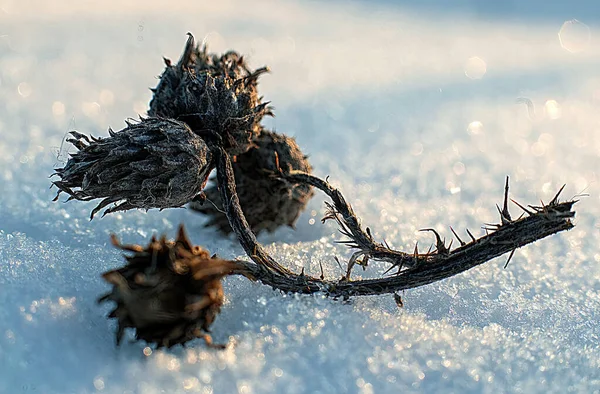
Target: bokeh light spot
475,68
90,109
107,97
58,108
552,109
574,36
24,89
475,127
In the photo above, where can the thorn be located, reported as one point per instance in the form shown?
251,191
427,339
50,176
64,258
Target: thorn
502,219
545,208
504,214
462,243
491,226
581,194
104,298
369,233
471,235
302,272
338,262
509,257
440,246
429,250
522,207
322,272
386,244
363,262
415,255
399,265
349,242
555,199
187,52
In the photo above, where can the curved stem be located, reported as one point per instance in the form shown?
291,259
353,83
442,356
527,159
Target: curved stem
422,268
237,220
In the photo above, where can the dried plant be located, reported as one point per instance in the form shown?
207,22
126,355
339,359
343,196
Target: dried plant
267,201
205,113
412,269
216,95
154,163
145,295
169,292
203,103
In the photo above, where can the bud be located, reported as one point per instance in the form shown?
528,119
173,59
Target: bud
267,201
169,292
154,163
216,95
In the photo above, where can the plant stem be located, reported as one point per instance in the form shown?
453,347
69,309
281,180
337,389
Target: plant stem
414,269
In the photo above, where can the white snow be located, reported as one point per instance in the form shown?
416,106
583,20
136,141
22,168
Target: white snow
412,111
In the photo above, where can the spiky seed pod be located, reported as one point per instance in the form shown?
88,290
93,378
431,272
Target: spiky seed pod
170,292
153,163
267,202
216,95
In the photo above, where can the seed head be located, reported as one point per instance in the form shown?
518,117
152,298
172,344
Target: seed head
154,163
267,201
170,292
216,95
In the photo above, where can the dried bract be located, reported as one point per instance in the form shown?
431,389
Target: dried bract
267,200
170,292
154,163
216,95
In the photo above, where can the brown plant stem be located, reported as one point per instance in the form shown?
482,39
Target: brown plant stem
414,269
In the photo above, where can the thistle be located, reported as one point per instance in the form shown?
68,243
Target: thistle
205,113
202,105
267,201
170,292
153,163
216,95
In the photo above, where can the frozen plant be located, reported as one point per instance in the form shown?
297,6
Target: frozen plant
156,162
169,291
203,104
205,115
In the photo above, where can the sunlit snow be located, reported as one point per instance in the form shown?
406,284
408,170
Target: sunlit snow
416,112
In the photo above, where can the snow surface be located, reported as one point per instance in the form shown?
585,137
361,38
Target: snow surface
416,112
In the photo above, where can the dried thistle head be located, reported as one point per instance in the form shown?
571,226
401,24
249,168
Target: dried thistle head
216,95
153,163
170,292
267,201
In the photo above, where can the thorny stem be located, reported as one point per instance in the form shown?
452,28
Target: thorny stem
414,269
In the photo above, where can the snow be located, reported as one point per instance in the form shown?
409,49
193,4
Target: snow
416,112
